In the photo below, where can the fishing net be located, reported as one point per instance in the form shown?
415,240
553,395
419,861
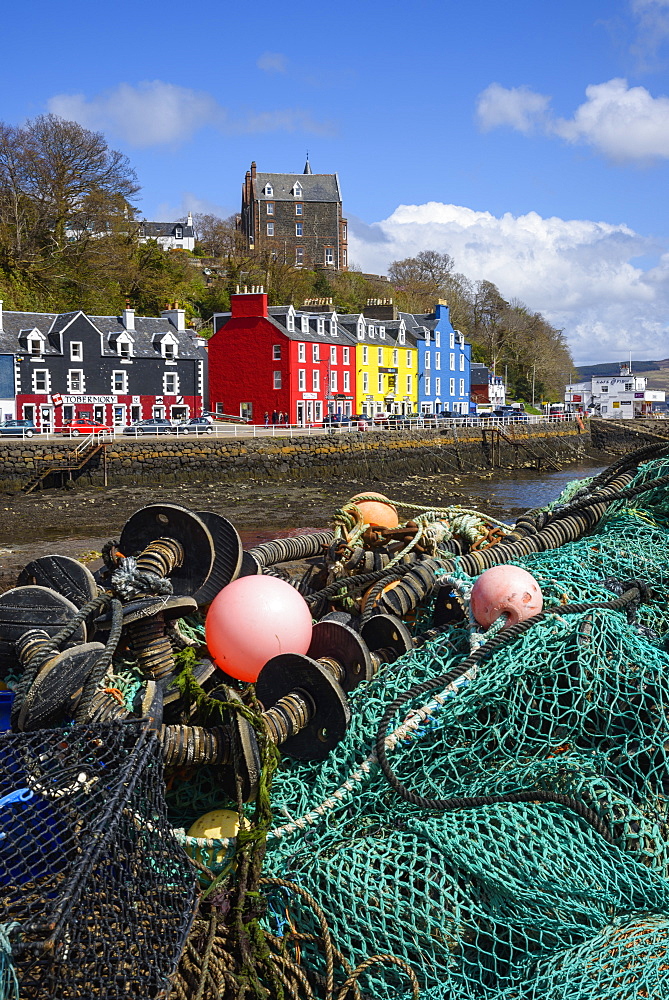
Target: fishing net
96,896
510,900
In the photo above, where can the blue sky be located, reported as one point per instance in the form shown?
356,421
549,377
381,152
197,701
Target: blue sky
528,139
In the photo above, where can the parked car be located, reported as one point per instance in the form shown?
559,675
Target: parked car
18,428
196,425
82,425
156,425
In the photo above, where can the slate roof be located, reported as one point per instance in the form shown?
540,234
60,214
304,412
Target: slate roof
315,187
152,229
277,317
392,328
49,324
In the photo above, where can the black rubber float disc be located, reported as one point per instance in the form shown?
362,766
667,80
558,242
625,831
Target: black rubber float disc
228,558
171,521
341,643
147,607
388,633
289,672
24,608
343,617
55,692
246,745
67,576
250,565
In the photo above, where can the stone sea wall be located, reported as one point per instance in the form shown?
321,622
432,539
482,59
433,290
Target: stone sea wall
150,460
617,437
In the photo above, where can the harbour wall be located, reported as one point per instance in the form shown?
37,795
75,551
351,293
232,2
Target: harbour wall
617,437
146,461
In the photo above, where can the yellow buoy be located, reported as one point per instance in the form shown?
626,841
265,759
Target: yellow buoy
219,824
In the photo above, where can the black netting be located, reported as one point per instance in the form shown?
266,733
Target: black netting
96,895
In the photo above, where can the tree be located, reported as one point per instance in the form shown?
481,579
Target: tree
216,237
421,280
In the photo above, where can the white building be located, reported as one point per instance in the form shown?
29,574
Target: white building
618,397
170,235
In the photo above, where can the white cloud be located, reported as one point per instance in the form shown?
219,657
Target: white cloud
626,124
652,17
272,62
579,274
156,113
518,107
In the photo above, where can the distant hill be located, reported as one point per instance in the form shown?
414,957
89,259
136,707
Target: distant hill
657,372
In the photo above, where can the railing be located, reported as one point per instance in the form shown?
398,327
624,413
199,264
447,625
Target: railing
361,425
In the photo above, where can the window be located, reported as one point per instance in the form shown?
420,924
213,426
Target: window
333,329
333,381
437,360
41,380
170,383
299,256
346,351
462,362
270,229
401,337
437,387
462,387
320,326
361,331
379,356
344,231
298,229
452,361
119,383
178,232
75,380
437,339
380,383
347,382
315,380
316,352
301,352
396,355
451,340
298,208
169,350
35,347
365,355
290,321
409,362
371,331
329,256
451,387
297,189
333,355
76,351
365,382
301,379
277,379
344,258
269,190
318,411
427,338
123,348
276,352
428,361
629,386
427,385
461,338
304,324
270,208
382,332
604,388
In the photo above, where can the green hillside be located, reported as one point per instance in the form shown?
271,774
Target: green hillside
657,372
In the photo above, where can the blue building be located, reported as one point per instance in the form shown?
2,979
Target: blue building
444,361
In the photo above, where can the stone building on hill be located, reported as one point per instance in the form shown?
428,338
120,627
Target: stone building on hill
295,218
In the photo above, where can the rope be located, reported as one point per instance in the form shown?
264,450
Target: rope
9,983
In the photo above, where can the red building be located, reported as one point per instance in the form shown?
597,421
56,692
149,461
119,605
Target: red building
273,360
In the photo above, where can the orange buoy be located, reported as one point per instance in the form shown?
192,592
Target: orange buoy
377,512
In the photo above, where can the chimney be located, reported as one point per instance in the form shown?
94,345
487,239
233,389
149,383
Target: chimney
253,169
128,320
249,305
189,220
176,316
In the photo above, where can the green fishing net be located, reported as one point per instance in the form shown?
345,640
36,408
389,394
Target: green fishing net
509,901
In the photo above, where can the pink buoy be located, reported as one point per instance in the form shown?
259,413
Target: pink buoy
253,619
507,590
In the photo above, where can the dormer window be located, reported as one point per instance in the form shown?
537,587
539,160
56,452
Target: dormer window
290,321
371,331
123,349
382,332
427,338
304,324
179,232
268,190
320,326
297,189
400,337
35,347
169,352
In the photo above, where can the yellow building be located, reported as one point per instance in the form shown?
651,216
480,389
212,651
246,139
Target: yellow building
386,358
